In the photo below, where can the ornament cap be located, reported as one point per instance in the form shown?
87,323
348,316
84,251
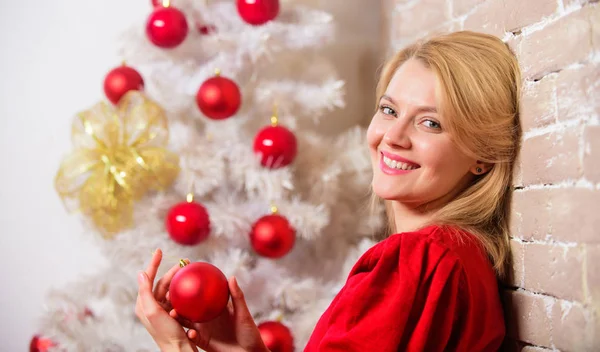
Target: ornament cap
182,263
274,209
189,197
274,118
217,71
166,3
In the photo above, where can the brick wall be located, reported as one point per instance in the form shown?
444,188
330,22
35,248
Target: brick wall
553,297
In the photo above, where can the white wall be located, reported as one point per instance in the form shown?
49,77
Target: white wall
54,55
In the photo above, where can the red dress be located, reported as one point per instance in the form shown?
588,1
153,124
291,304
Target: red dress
428,290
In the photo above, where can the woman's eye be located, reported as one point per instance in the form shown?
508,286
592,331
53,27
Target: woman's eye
432,124
387,110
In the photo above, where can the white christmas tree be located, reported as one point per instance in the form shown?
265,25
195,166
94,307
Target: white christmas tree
323,192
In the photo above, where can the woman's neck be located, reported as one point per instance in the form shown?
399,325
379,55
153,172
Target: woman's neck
407,218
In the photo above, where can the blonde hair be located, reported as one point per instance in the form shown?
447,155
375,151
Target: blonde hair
479,88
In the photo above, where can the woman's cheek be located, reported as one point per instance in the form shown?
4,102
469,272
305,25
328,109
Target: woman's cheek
375,132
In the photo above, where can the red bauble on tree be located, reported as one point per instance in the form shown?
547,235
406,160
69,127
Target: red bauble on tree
166,27
272,236
199,292
276,146
276,336
219,97
257,12
40,344
121,80
188,223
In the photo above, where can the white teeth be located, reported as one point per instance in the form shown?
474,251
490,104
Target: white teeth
397,164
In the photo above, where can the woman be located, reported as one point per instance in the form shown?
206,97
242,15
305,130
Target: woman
443,144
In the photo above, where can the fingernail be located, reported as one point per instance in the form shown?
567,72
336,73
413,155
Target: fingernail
141,277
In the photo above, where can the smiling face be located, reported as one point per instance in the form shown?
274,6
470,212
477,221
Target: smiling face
414,158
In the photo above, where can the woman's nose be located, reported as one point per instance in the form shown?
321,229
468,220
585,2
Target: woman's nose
398,134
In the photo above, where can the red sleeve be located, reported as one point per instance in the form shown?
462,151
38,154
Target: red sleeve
407,293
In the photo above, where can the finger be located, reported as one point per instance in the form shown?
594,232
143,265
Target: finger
150,308
173,314
192,334
153,265
241,311
162,286
181,320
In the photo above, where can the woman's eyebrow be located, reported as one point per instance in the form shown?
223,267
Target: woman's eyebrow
430,109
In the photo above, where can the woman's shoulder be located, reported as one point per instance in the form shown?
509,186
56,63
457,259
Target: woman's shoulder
435,246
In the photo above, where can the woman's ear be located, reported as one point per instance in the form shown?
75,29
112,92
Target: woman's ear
481,168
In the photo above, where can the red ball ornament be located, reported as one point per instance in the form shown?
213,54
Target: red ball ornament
272,236
188,223
166,27
219,98
276,336
257,12
199,292
40,344
276,145
121,80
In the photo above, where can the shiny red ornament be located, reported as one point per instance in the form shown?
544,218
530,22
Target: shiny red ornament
121,80
276,146
257,12
40,344
199,292
272,236
166,27
219,98
276,336
188,223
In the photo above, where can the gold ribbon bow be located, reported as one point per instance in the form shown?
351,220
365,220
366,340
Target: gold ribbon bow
119,156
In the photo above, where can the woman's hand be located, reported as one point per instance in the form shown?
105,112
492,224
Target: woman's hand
234,330
152,307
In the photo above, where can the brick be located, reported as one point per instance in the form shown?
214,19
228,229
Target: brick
563,214
553,269
574,216
497,17
488,18
460,7
514,43
538,103
515,277
573,327
518,174
591,154
528,317
595,23
535,349
592,253
563,42
524,13
578,92
531,225
552,157
410,19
